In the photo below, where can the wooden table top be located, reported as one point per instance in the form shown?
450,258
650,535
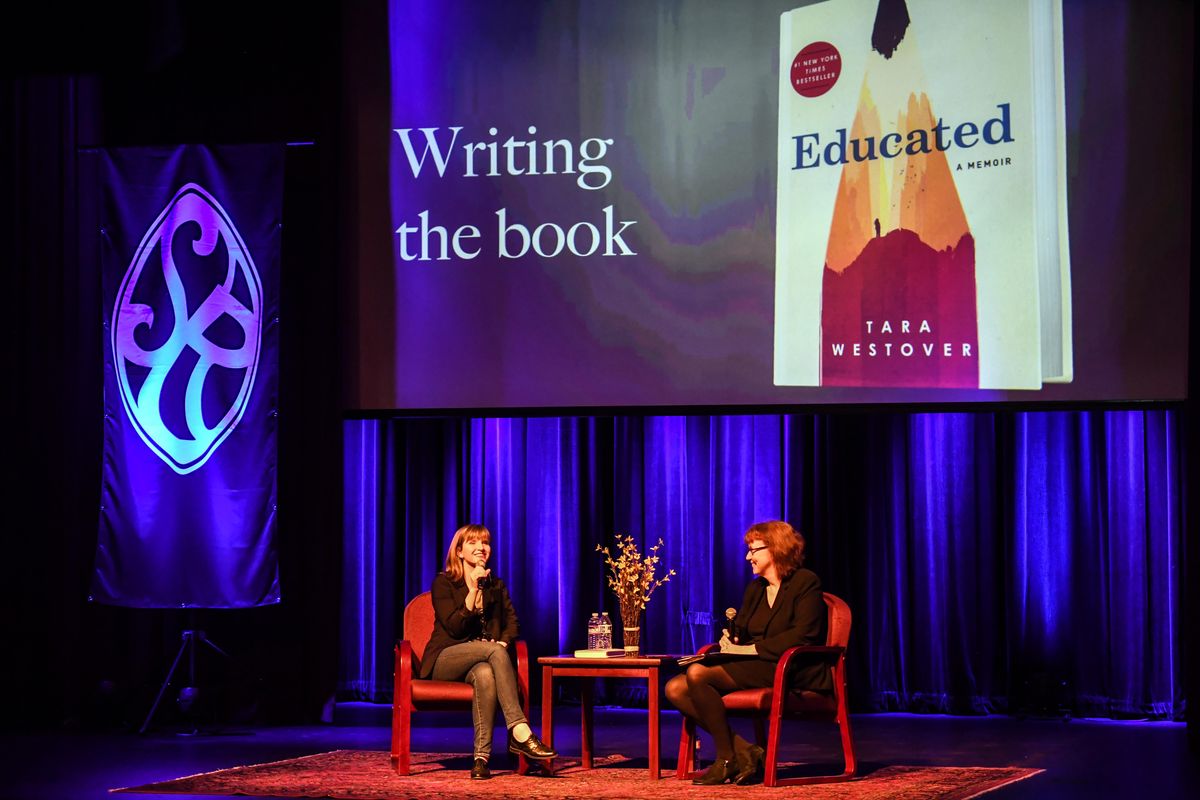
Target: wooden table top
616,662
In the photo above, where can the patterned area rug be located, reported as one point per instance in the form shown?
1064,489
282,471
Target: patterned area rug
367,775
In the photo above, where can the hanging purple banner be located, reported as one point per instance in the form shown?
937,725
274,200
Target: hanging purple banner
189,249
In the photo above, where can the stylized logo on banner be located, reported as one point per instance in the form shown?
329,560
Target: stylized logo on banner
187,330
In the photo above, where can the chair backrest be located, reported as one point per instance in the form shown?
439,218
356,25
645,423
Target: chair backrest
839,621
418,623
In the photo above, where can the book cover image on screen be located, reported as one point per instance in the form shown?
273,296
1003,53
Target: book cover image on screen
921,234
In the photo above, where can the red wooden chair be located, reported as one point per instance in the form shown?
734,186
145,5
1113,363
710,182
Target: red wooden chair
769,707
412,694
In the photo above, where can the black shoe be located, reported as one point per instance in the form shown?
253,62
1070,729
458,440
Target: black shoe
720,771
750,766
533,748
480,771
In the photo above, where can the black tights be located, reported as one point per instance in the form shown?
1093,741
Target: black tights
697,693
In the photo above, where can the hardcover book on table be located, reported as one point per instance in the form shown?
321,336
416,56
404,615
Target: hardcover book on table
921,228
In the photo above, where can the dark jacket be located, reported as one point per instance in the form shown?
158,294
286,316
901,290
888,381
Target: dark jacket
453,624
799,616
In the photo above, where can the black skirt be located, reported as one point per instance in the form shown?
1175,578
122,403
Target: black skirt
752,673
810,675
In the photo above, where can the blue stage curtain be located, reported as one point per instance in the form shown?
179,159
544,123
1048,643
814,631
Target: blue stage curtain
1000,561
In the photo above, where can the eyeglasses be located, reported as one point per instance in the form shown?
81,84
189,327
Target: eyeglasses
752,550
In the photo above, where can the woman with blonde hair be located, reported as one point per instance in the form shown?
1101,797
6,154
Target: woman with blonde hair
474,623
782,607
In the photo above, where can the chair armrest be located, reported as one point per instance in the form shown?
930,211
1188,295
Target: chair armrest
404,656
785,661
812,649
404,669
708,648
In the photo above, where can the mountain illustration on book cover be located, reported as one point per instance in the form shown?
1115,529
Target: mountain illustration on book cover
915,203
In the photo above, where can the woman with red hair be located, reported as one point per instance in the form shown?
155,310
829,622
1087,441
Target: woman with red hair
782,607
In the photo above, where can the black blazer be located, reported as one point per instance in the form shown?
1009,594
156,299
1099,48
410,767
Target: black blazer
453,624
799,617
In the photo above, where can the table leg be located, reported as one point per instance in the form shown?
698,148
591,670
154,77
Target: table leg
548,713
652,696
586,724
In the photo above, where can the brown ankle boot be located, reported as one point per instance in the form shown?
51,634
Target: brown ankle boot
721,770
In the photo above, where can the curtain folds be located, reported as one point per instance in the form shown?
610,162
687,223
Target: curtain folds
1019,562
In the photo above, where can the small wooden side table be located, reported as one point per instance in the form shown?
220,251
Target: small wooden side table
591,668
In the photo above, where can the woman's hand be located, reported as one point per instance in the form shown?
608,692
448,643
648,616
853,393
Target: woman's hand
738,649
474,598
474,574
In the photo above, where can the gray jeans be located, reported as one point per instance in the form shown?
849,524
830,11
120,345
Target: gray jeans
488,667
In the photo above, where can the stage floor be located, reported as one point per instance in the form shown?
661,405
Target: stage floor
1082,758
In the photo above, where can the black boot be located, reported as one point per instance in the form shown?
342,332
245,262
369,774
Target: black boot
721,770
750,766
480,771
532,748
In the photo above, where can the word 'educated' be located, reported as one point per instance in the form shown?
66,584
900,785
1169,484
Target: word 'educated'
939,136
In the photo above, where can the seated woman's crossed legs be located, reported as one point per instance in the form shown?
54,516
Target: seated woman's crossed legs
697,694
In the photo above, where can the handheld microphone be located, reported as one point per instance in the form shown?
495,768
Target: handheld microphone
486,580
730,613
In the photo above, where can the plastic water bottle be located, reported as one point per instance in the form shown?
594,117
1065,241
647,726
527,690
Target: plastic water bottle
594,631
605,633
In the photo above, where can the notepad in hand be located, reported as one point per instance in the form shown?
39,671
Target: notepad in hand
715,657
599,653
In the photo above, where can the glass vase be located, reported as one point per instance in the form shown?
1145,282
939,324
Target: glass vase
631,634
